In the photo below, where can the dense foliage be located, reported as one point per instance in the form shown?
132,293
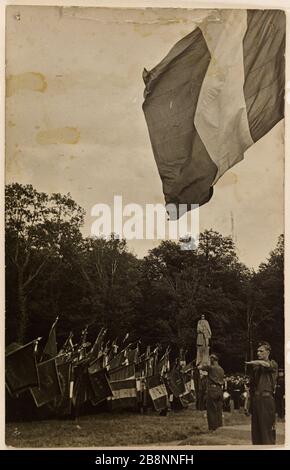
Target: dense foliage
51,269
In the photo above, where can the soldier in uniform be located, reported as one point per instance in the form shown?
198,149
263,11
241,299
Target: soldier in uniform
214,402
236,393
202,390
262,387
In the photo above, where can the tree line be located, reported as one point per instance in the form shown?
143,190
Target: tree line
52,269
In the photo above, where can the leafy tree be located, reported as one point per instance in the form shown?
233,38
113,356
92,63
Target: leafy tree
110,275
268,322
37,228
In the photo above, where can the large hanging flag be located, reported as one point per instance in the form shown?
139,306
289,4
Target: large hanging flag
219,90
20,367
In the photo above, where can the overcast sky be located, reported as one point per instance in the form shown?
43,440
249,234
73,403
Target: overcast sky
75,122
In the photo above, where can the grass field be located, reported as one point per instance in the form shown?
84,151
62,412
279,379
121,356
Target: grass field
187,427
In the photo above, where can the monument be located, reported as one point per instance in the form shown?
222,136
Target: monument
202,341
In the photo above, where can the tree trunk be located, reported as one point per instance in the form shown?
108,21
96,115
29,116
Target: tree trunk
251,350
23,317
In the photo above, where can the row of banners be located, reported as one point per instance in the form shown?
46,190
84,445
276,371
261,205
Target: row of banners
124,380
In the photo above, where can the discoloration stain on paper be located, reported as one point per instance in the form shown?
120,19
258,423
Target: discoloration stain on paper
166,21
11,124
32,81
61,135
142,30
12,164
228,178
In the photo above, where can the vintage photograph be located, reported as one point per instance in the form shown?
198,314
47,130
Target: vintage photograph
144,227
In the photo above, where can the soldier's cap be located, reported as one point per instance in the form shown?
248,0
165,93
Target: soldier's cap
214,357
265,344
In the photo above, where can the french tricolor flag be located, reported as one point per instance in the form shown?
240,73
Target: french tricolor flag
219,90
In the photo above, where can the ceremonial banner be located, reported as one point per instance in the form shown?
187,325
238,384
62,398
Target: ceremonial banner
117,361
62,403
50,349
21,371
132,356
97,346
99,385
176,382
188,396
157,392
80,384
49,383
124,387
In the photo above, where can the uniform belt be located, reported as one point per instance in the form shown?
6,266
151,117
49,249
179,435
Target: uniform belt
263,394
215,385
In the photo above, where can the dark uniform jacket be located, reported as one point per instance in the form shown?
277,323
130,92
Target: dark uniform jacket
264,378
